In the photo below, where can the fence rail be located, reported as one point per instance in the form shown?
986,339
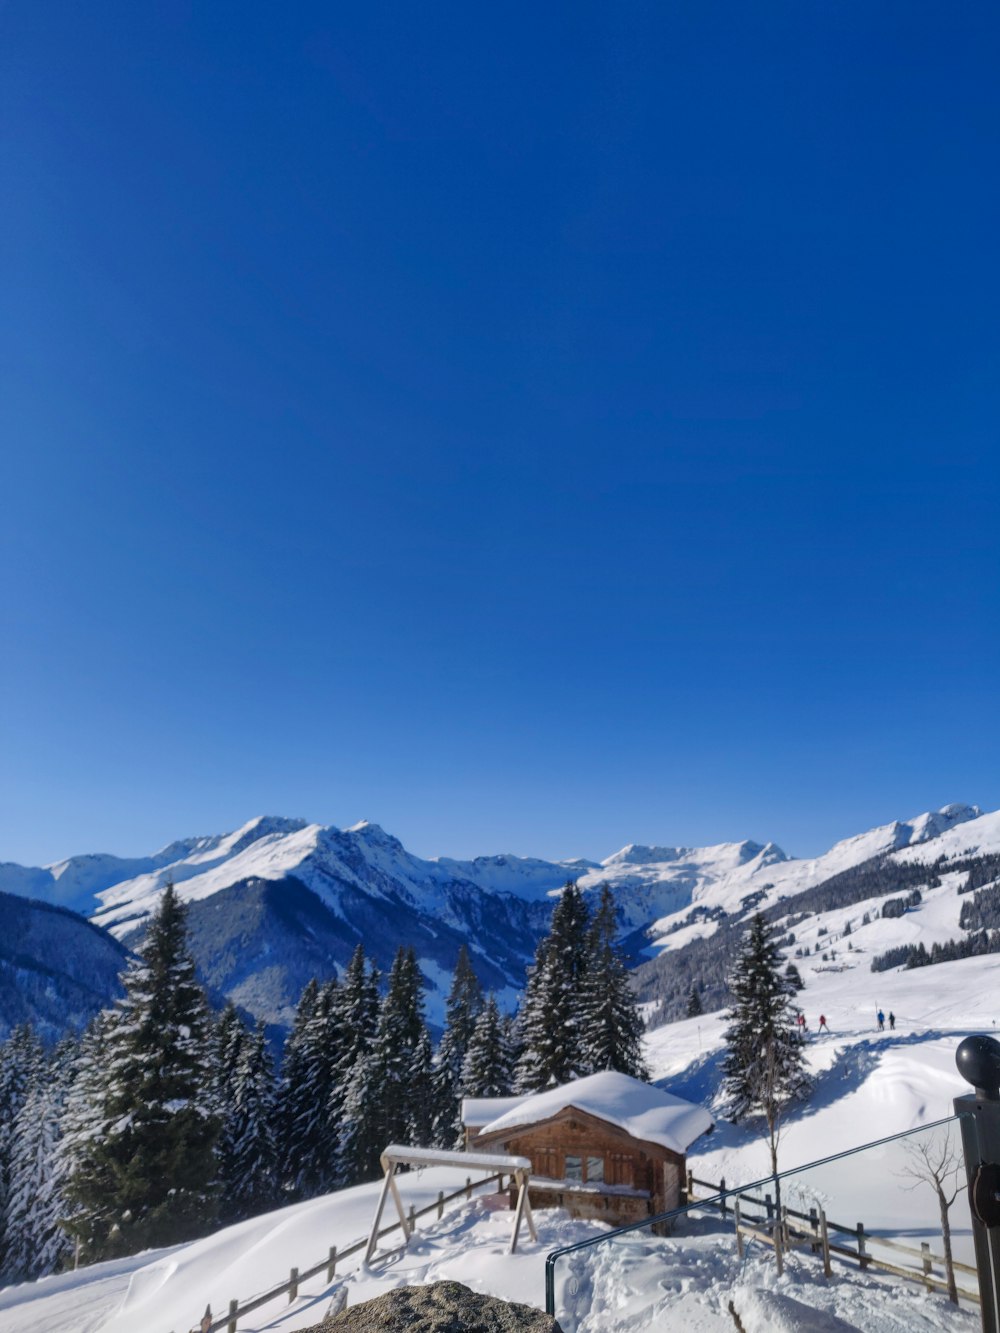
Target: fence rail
238,1310
771,1226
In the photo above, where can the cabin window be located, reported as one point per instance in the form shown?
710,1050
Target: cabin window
595,1170
573,1169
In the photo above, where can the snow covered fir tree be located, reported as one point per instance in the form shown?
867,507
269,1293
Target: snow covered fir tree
764,1069
148,1175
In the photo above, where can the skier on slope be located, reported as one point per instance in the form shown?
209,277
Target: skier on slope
881,1021
892,1021
822,1023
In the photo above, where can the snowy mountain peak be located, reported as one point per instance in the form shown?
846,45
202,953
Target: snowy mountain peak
374,834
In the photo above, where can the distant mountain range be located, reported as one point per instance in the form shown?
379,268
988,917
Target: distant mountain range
280,900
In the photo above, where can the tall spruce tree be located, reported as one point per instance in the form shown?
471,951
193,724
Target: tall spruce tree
20,1058
353,1109
400,1032
312,1159
245,1105
252,1185
150,1177
611,1026
82,1128
293,1093
551,1017
488,1069
764,1070
462,1009
694,1004
35,1243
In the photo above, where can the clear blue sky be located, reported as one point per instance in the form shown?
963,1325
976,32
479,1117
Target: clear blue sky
533,428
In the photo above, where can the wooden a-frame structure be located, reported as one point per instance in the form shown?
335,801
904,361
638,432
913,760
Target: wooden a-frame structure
519,1169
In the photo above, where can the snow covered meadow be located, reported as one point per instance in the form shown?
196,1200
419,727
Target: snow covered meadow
869,1084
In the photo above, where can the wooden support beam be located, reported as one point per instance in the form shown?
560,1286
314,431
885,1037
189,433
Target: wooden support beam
373,1238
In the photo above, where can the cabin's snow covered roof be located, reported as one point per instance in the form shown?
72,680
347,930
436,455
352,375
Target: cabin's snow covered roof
479,1111
640,1110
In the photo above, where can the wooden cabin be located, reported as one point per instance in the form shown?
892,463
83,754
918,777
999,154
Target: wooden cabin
606,1146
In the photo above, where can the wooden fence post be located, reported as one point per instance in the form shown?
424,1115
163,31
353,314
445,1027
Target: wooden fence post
862,1253
440,1203
413,1219
293,1285
689,1191
331,1263
739,1233
722,1191
779,1257
925,1260
814,1223
233,1307
825,1242
468,1187
769,1205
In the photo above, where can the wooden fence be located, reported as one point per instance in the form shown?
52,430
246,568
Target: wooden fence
785,1228
238,1310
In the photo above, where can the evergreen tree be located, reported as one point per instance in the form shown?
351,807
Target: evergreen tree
312,1159
400,1032
360,1140
551,1017
764,1068
610,1025
422,1109
252,1186
462,1009
35,1244
356,1013
353,1109
694,1005
488,1069
293,1094
82,1128
150,1178
794,977
244,1102
20,1058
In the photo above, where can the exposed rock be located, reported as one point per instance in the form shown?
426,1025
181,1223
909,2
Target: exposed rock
441,1307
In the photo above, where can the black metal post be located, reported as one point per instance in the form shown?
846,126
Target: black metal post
978,1060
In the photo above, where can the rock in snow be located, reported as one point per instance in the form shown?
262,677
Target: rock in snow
442,1307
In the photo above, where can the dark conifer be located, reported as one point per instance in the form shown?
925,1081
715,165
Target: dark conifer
488,1069
400,1031
34,1242
151,1175
610,1025
252,1187
551,1017
764,1069
694,1005
794,977
462,1009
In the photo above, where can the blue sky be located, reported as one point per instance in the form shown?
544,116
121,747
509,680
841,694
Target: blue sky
534,429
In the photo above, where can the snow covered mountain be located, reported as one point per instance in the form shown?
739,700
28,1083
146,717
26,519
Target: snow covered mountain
279,899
